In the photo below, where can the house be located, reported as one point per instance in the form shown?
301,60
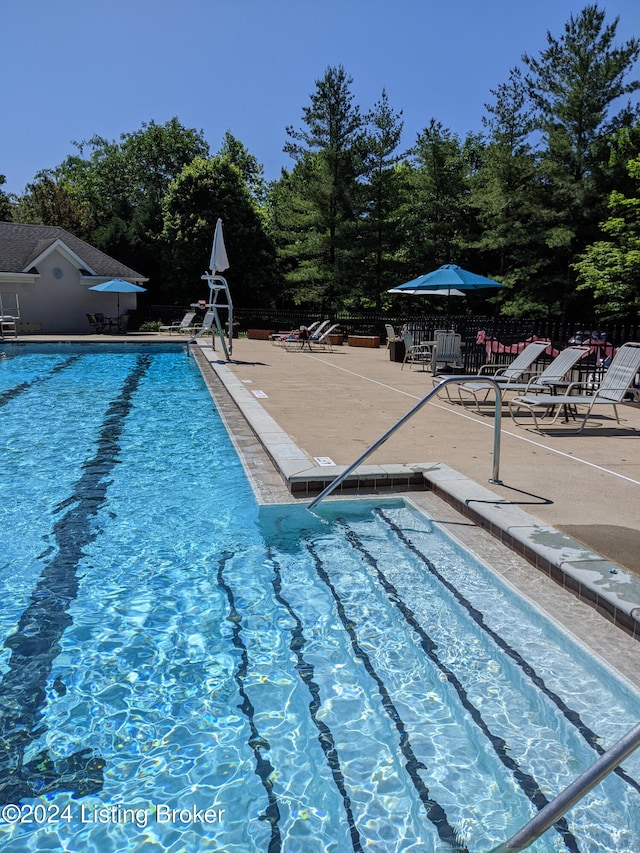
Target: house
45,276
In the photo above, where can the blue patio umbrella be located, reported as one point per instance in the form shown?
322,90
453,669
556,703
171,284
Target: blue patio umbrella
448,276
118,285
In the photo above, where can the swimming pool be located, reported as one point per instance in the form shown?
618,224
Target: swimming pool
184,670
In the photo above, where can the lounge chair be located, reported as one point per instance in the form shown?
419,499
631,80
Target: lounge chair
514,372
323,339
207,322
318,326
316,340
289,337
185,325
613,389
555,372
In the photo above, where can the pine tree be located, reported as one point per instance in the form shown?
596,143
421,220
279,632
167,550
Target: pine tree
436,210
328,157
508,198
575,85
380,224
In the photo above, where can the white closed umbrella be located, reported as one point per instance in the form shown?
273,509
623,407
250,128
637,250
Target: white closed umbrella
219,261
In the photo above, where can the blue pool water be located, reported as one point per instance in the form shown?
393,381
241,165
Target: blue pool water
183,670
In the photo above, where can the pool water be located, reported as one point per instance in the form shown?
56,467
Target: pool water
184,670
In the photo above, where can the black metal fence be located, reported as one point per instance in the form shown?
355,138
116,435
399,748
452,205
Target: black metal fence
505,331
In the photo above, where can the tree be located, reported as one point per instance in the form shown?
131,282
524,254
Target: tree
574,86
49,202
508,198
328,157
610,269
6,214
205,190
436,211
251,170
380,227
297,232
124,184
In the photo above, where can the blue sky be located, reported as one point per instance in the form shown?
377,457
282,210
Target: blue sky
70,69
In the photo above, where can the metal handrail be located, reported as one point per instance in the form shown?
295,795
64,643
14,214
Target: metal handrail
561,804
445,381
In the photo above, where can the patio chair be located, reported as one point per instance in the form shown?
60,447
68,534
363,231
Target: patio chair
123,323
106,323
447,350
613,389
185,325
552,376
390,332
417,354
95,324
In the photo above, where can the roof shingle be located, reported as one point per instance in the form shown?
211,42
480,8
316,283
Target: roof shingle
21,244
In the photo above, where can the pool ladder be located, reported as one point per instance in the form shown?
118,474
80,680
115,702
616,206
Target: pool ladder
445,381
574,792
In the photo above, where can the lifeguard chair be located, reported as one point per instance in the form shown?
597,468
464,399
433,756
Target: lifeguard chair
219,295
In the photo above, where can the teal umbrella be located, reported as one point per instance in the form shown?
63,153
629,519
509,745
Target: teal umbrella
448,276
118,285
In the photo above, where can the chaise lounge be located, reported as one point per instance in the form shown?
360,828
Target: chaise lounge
613,389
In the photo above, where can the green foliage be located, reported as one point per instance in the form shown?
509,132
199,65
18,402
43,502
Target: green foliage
252,172
48,202
379,236
355,217
128,198
6,214
435,212
575,85
205,190
123,185
323,206
610,269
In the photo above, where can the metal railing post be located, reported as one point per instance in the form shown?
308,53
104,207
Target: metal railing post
449,379
561,804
